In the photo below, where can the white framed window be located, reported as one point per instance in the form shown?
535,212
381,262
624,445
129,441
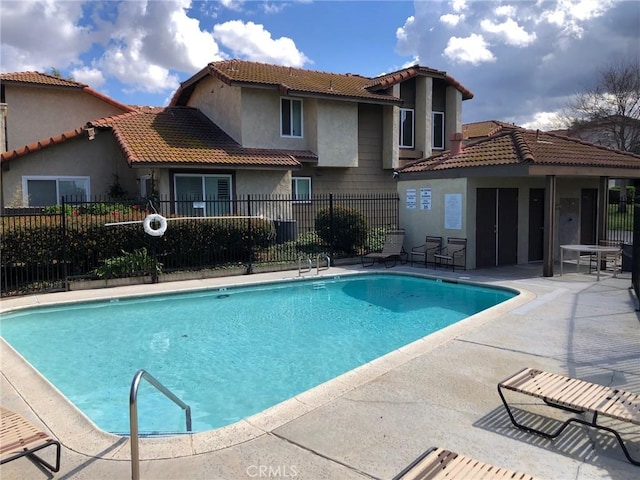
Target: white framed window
301,189
44,191
406,127
146,185
438,131
202,195
290,117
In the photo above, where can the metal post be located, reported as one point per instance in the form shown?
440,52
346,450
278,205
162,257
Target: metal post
250,234
635,250
65,246
549,226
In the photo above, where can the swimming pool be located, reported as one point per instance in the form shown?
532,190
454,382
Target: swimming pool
230,353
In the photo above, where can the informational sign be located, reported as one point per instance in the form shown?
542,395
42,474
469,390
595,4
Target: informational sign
453,211
199,205
411,199
425,199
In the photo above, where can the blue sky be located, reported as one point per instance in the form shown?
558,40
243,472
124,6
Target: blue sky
523,60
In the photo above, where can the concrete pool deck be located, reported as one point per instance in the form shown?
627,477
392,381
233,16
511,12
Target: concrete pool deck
373,421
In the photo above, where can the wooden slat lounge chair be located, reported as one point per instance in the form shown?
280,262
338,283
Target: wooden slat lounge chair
576,396
393,250
452,254
20,438
425,252
436,464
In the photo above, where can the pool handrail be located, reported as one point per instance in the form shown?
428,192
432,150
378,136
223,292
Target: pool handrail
133,415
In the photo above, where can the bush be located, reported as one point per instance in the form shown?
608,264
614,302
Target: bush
614,195
346,232
137,263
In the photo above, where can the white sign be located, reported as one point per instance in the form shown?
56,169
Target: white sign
411,198
425,199
453,211
198,205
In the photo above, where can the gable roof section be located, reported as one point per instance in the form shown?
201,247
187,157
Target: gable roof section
289,80
183,136
519,147
37,79
40,145
487,128
389,79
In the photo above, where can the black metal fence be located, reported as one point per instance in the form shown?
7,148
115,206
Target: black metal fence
45,249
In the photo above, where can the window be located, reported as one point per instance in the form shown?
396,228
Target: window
290,117
438,130
45,191
406,128
301,188
202,195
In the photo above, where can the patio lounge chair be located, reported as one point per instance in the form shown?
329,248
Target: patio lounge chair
392,250
575,396
20,438
449,256
437,463
425,252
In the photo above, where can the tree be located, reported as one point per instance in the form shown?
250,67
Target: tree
55,72
609,111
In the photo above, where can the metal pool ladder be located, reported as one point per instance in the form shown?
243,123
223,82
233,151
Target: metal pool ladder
307,260
133,415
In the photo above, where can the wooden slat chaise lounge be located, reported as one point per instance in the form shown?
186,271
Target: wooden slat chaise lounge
20,438
576,396
439,464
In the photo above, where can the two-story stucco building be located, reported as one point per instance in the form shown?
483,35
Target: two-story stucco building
238,128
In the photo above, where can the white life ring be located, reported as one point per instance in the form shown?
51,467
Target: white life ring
154,217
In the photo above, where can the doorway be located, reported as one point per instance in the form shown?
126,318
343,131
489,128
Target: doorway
496,227
588,216
536,224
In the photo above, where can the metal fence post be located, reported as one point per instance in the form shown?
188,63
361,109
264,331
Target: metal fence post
331,225
250,234
635,250
65,244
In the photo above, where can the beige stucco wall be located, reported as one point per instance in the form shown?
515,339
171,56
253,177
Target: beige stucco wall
337,133
34,114
99,159
453,114
419,223
424,118
221,103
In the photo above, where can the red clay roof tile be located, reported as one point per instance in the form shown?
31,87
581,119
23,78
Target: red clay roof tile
289,80
519,146
43,79
184,135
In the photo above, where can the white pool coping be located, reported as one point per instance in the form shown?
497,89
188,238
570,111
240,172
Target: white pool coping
77,432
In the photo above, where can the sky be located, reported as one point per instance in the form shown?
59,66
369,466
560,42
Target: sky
523,60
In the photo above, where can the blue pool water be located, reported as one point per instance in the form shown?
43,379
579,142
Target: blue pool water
230,353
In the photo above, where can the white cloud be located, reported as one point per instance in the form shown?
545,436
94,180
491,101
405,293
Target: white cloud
459,5
505,11
402,33
545,121
451,19
40,34
510,31
253,42
89,76
472,49
569,15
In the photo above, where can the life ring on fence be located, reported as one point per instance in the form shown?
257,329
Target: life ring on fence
154,217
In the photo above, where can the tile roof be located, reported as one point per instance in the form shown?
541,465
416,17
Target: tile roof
527,147
46,80
289,80
185,136
483,129
41,144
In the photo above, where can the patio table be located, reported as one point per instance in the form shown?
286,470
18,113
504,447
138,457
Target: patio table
591,249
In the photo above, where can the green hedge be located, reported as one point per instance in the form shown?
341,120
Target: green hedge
347,233
614,195
90,243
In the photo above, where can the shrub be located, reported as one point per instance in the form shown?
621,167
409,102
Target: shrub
614,195
345,232
138,262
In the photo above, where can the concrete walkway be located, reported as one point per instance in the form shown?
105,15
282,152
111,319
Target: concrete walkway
372,422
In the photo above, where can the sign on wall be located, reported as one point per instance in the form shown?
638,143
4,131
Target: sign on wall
411,198
453,211
425,199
